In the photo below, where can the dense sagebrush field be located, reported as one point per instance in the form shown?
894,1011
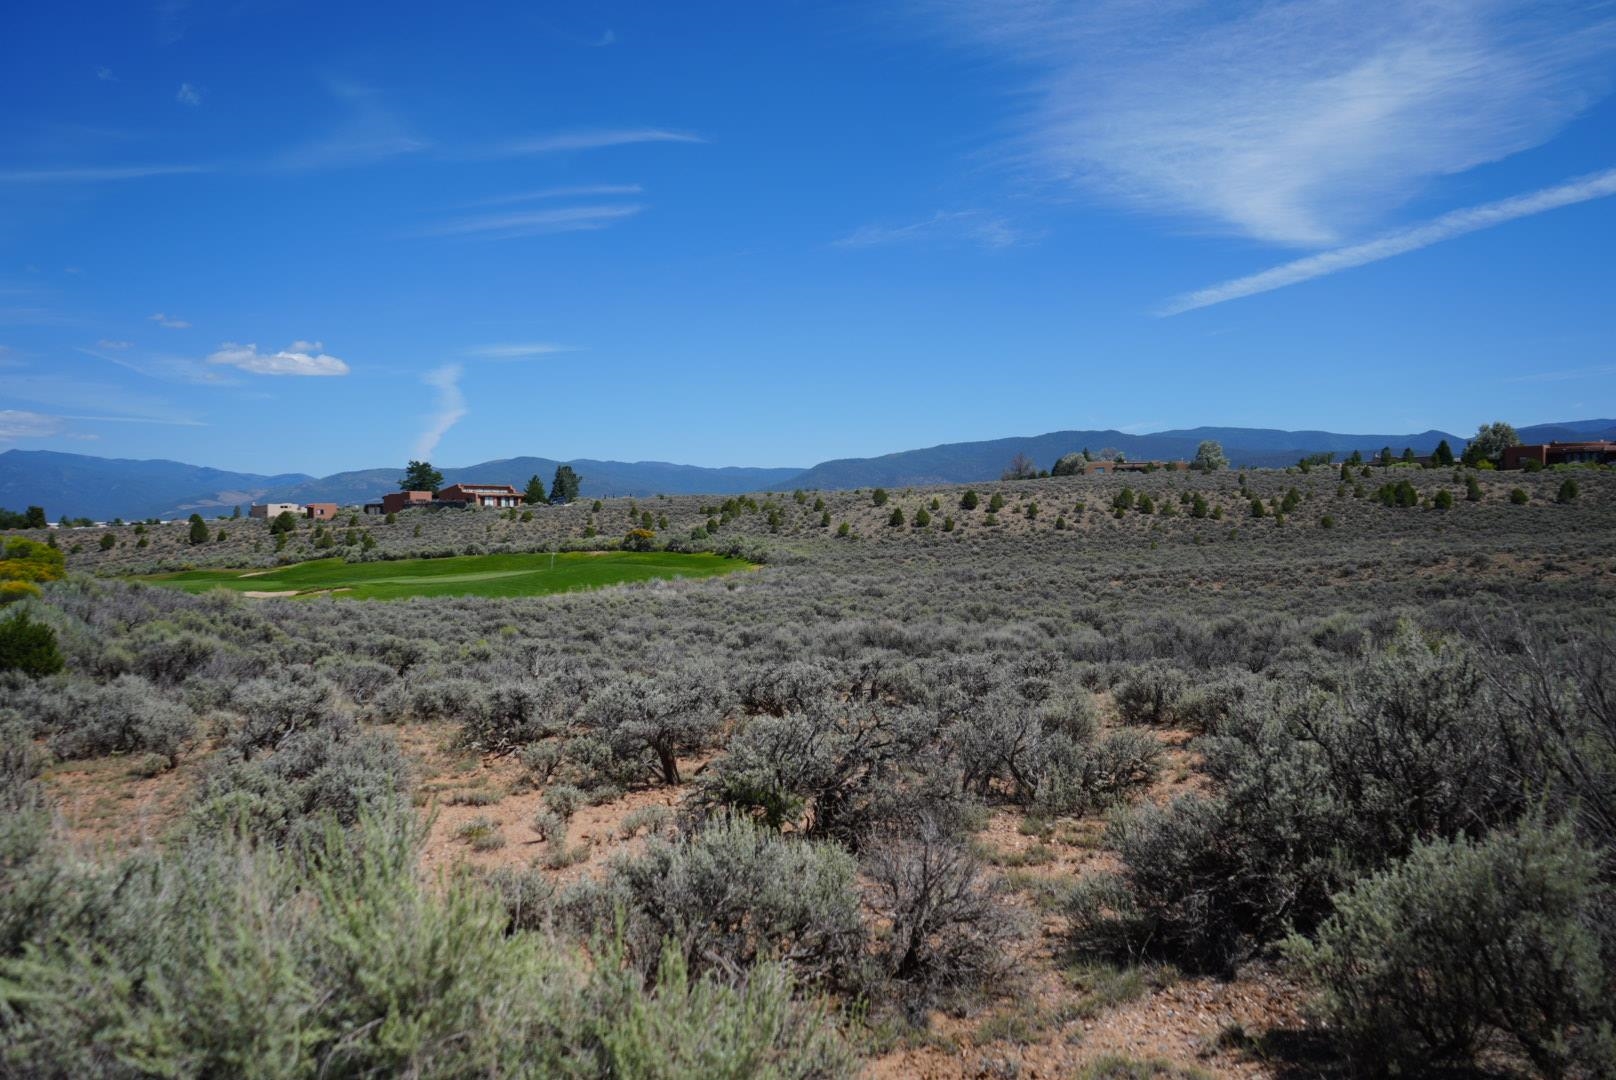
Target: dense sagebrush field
464,575
1239,774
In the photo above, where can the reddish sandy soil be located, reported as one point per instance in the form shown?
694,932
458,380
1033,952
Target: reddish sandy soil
104,803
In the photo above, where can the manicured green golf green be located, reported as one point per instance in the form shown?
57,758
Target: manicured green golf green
466,575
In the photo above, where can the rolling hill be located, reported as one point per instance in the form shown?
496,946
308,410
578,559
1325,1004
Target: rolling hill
78,485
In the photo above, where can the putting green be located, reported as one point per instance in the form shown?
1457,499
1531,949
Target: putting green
465,575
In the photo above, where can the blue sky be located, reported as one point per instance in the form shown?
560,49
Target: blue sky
310,237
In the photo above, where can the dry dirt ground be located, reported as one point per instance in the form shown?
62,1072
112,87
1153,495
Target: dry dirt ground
1050,1020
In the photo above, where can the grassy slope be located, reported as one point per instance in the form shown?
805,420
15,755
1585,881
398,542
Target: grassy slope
469,575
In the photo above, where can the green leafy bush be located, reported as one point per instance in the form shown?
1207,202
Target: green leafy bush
27,646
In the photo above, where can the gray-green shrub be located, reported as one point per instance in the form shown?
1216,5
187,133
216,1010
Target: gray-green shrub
1467,943
731,896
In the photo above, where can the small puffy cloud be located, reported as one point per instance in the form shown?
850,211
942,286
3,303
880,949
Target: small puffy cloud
18,424
170,321
299,358
188,95
105,74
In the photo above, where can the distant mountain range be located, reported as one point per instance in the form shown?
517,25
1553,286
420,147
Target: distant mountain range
955,463
78,485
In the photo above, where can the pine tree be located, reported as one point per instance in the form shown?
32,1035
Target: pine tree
564,488
535,491
420,476
199,529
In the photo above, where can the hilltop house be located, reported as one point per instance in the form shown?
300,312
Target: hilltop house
501,495
321,511
394,501
271,511
1559,453
457,496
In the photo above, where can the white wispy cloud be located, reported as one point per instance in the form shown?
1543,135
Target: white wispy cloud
163,367
1446,227
108,343
299,358
188,95
535,222
1295,123
170,321
94,174
451,408
599,139
580,191
20,424
166,421
970,226
76,397
608,37
105,74
517,350
368,131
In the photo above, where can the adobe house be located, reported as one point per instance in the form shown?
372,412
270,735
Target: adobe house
501,495
1559,453
321,511
271,511
395,501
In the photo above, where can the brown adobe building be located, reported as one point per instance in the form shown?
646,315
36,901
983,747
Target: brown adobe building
1559,453
501,495
394,501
